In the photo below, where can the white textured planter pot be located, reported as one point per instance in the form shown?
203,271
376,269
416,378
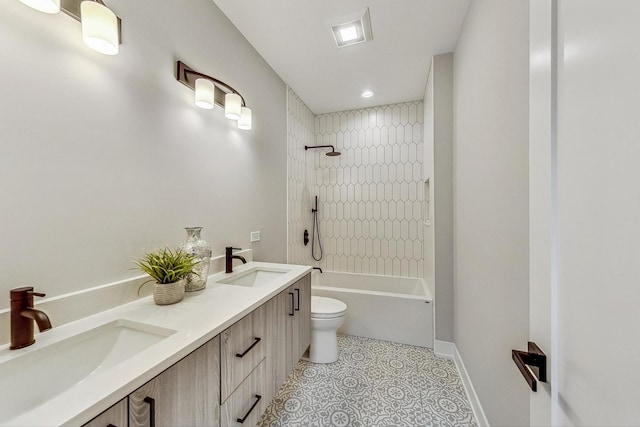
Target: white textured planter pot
169,293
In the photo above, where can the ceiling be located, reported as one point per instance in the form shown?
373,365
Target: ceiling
295,38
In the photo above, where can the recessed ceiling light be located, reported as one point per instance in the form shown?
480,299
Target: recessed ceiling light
349,33
352,28
367,94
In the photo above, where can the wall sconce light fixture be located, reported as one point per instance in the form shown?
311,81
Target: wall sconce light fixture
209,91
46,6
100,26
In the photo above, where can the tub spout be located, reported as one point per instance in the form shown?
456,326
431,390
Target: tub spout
318,268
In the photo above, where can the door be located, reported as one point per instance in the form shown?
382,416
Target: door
585,209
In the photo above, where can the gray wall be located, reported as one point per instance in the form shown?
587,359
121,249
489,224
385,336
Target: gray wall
491,312
103,158
443,194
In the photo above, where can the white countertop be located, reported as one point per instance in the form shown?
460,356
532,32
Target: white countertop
199,317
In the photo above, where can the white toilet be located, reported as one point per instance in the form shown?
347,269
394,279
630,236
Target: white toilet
327,315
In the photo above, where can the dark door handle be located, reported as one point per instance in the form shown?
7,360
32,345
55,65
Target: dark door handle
292,305
152,410
532,365
243,419
255,342
298,292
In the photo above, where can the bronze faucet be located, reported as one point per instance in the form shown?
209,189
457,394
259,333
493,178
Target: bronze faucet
229,257
22,316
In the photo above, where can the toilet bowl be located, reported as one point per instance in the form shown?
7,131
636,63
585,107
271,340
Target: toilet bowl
327,315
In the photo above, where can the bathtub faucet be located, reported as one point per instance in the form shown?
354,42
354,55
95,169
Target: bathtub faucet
318,268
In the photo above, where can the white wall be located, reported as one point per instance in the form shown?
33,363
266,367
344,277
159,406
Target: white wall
427,174
491,203
103,158
439,163
370,198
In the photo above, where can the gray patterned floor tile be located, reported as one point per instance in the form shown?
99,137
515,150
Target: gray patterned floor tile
373,383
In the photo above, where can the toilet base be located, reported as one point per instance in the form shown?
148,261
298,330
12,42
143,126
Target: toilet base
324,340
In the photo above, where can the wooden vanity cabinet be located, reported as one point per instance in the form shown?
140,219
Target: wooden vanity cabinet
232,377
115,416
186,394
288,330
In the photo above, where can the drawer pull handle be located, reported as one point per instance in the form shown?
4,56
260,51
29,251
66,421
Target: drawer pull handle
243,419
241,355
111,425
152,410
298,292
292,305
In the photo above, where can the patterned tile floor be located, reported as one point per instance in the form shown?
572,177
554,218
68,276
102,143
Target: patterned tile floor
373,383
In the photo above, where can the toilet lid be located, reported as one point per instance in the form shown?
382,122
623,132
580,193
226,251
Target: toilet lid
324,308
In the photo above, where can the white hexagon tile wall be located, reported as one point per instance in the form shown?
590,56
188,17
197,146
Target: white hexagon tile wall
370,198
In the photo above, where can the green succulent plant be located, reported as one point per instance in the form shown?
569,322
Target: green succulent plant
167,266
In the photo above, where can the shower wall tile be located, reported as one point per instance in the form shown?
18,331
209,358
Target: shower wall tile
370,197
300,132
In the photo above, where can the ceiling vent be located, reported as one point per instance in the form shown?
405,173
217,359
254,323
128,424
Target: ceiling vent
352,28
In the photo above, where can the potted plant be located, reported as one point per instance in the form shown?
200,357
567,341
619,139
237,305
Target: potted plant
169,269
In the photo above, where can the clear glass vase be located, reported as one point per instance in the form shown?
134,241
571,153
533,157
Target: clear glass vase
199,248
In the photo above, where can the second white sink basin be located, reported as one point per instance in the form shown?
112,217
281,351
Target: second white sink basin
254,277
41,374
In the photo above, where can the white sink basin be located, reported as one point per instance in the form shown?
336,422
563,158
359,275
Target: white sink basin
41,374
254,277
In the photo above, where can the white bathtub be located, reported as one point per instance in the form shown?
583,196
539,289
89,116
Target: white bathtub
398,309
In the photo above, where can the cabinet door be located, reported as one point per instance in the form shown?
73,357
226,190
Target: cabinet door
302,327
186,394
115,416
276,348
290,329
242,349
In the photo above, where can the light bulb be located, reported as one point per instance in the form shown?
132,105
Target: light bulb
245,119
205,94
99,27
232,106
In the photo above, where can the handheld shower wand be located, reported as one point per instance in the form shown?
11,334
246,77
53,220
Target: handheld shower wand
316,231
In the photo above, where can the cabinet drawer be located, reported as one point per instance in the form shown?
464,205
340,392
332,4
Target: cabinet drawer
243,348
247,402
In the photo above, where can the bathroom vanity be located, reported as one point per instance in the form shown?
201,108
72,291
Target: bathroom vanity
221,355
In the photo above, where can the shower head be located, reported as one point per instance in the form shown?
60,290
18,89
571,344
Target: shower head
331,153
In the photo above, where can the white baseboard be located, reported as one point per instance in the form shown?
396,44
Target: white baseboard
450,351
444,349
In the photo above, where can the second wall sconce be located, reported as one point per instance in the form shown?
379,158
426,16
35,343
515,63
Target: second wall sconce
100,26
210,91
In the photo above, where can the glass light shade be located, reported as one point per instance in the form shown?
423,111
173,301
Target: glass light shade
244,122
46,6
205,94
232,106
99,27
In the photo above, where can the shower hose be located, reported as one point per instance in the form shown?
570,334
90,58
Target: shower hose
316,231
